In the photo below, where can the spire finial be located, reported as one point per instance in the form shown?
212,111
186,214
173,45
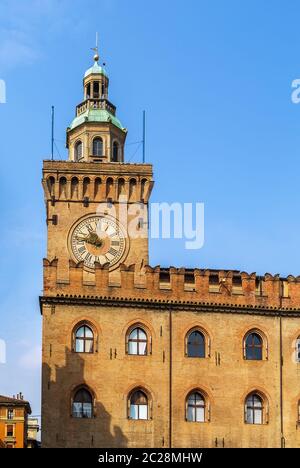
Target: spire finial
96,50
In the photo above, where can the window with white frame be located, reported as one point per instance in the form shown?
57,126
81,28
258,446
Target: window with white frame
137,342
195,407
138,405
254,409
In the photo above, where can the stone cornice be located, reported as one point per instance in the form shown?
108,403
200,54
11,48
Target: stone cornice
168,305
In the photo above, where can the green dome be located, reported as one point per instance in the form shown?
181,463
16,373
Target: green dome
95,70
96,115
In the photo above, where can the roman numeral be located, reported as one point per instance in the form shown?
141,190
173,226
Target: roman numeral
112,251
81,250
115,243
88,257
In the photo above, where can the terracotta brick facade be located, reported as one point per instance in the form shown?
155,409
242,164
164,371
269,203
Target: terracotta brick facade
224,306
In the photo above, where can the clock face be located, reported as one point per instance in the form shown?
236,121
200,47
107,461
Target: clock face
98,239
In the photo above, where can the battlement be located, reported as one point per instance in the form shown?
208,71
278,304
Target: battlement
176,285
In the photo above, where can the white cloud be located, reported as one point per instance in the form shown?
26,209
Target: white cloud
31,359
15,52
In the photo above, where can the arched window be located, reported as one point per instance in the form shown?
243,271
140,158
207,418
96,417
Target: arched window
84,340
297,350
97,147
115,155
138,405
137,342
196,344
82,404
78,150
254,409
253,347
195,411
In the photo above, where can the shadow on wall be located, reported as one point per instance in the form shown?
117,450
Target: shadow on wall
59,428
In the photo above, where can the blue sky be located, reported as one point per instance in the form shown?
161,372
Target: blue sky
215,79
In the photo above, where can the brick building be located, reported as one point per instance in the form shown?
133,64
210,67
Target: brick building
135,356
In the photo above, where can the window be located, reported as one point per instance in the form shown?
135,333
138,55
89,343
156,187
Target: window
84,340
297,350
96,90
195,407
137,342
284,289
259,286
138,405
78,150
214,283
9,430
82,404
115,155
97,147
9,446
254,409
196,344
253,347
10,413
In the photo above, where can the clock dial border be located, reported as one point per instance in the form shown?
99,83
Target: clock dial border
111,221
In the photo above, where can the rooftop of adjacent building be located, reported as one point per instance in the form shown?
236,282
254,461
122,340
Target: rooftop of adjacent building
15,401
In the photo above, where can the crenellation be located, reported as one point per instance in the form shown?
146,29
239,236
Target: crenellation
154,285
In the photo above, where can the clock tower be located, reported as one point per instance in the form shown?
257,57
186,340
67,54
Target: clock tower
97,204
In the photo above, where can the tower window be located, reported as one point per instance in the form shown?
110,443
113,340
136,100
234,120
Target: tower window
196,344
138,403
253,347
97,147
115,155
10,413
195,407
254,409
137,342
82,404
96,90
88,91
78,150
84,340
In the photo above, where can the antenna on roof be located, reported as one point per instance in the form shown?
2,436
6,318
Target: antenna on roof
96,49
52,133
144,136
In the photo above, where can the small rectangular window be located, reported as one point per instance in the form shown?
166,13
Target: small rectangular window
189,281
189,278
9,430
258,286
10,413
214,285
237,284
164,280
284,289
